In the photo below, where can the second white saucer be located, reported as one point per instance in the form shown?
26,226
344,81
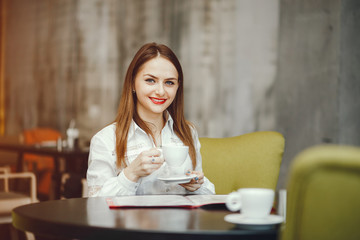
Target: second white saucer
242,220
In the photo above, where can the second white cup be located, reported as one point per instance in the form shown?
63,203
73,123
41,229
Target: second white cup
253,202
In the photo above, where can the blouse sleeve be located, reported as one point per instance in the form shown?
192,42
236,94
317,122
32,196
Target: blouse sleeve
102,176
207,187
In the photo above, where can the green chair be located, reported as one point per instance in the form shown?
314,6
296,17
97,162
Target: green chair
245,161
324,194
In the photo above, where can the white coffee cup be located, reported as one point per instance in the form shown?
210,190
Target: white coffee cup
174,157
253,202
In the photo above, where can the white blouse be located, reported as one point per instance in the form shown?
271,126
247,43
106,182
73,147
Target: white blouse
104,178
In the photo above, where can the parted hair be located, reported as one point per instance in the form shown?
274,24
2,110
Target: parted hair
127,106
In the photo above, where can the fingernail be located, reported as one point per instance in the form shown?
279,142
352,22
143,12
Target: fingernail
196,178
188,171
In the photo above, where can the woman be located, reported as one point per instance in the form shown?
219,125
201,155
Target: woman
124,157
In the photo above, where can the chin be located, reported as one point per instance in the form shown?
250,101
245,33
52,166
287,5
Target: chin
159,109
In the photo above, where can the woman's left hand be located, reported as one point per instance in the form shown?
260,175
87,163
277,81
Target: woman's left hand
195,183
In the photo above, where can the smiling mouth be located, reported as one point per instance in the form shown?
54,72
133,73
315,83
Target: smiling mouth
158,100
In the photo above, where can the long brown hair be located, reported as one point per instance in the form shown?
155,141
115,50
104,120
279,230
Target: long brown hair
127,107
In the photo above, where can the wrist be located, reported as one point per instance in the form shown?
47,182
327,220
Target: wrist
130,175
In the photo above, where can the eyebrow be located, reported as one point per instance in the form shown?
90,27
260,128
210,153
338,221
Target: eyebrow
150,75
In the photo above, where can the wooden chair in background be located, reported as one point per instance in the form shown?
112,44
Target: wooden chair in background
10,199
42,166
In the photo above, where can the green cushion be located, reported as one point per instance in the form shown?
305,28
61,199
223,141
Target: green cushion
324,194
249,160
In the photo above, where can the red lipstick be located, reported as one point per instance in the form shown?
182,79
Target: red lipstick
158,100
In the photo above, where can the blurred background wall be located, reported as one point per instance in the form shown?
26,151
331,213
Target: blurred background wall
249,65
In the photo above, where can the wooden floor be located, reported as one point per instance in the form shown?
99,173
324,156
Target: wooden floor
8,232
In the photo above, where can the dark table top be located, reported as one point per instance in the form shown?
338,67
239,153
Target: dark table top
75,159
91,218
50,151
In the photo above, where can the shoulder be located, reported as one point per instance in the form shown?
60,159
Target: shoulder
193,130
107,134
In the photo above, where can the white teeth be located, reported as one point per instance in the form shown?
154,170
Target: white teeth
157,100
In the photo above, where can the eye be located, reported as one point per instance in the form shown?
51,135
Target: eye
150,80
170,83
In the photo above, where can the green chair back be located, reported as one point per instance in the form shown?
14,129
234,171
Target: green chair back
324,194
249,160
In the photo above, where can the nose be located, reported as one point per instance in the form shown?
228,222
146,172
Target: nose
160,89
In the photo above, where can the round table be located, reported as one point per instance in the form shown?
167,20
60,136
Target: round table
91,218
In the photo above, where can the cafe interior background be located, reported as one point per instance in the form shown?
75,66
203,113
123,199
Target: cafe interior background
249,65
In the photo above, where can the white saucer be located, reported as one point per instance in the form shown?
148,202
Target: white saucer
178,180
242,220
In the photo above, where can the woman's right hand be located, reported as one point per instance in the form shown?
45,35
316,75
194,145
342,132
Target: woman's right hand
145,164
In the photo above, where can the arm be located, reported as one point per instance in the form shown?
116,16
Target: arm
102,175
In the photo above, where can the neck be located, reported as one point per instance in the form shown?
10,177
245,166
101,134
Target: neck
156,125
154,122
